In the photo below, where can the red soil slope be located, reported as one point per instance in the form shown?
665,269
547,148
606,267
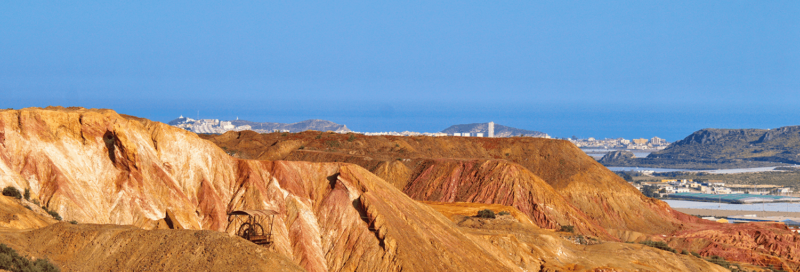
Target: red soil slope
532,175
601,195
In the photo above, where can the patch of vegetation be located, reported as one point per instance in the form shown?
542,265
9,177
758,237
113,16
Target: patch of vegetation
318,136
302,147
27,194
28,207
396,145
487,213
333,143
351,138
284,134
54,214
684,252
772,268
503,213
696,254
12,192
73,222
36,201
567,228
719,261
11,261
659,245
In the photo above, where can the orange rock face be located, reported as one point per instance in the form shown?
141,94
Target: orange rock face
95,166
343,203
553,182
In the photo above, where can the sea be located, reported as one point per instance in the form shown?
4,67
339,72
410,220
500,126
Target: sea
771,207
714,171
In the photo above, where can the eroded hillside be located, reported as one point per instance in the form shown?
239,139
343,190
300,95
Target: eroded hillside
522,170
96,166
532,175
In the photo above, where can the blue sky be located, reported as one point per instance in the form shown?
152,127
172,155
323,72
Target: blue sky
586,68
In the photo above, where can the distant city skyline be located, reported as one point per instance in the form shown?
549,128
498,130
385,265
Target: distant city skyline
602,69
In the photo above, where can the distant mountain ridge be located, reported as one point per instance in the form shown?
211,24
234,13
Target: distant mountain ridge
723,148
499,130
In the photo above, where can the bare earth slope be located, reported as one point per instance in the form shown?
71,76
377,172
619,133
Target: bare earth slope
96,166
518,172
515,236
124,248
599,194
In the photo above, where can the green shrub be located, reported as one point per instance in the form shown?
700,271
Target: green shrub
719,261
567,228
684,252
659,245
284,134
319,136
695,254
12,192
302,147
333,143
36,201
503,213
351,138
11,261
73,222
55,215
27,194
487,213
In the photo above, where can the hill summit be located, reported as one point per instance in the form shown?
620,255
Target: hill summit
723,148
499,130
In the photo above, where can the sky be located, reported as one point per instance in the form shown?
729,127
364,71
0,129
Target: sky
602,69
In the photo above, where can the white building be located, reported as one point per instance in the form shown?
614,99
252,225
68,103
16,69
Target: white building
491,129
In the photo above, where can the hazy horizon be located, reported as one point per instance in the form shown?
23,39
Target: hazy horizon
603,69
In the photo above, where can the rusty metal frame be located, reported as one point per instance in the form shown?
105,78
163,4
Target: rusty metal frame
253,219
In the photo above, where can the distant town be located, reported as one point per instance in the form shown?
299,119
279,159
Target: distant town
715,191
216,126
620,143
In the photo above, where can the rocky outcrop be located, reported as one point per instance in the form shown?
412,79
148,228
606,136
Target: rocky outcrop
96,166
762,244
619,157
